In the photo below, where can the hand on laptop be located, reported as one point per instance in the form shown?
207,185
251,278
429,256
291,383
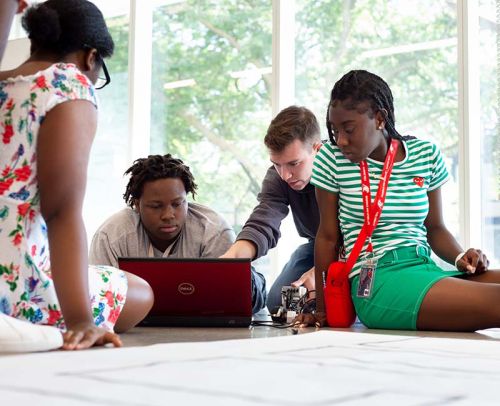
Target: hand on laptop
87,335
306,280
241,249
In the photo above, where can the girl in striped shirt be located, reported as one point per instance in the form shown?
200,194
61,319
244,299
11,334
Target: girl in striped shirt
408,290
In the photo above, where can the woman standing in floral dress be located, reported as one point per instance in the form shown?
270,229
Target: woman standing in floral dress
48,120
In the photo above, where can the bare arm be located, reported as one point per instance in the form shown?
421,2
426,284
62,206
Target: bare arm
63,149
326,251
440,239
326,247
445,245
241,249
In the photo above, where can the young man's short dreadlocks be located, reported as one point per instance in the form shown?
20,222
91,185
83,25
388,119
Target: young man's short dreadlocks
156,167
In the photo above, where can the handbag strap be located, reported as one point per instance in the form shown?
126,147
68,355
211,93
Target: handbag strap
376,210
356,250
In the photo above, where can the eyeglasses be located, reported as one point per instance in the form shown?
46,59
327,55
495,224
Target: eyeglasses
103,81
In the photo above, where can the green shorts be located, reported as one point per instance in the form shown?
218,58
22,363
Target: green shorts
402,279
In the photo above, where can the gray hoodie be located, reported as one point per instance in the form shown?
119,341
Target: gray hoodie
276,198
205,234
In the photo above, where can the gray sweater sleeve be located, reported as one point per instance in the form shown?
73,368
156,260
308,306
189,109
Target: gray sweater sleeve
263,226
119,236
219,243
101,252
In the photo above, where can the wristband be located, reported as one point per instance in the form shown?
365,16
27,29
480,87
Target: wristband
459,256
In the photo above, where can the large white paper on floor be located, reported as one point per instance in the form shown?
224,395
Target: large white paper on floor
320,368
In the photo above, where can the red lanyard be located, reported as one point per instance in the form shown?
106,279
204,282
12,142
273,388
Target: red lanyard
373,211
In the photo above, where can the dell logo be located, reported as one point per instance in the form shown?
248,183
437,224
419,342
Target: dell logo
186,288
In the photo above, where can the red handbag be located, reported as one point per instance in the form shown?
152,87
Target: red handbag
339,307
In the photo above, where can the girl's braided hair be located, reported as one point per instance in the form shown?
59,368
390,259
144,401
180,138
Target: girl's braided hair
358,86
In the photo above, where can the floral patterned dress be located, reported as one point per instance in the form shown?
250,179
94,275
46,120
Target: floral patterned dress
26,288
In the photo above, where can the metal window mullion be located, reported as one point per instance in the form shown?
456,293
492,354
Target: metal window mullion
283,74
283,55
469,124
140,61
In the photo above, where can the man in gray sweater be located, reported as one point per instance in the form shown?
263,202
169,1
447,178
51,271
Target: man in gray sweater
159,221
293,139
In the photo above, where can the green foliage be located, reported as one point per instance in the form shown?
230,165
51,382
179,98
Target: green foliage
372,35
217,123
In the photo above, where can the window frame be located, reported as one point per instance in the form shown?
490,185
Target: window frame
283,94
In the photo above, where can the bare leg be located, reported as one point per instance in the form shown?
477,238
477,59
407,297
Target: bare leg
492,276
454,304
137,305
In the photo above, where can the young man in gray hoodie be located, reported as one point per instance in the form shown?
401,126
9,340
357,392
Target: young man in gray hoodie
293,139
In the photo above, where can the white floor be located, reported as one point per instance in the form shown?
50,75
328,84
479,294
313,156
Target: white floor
320,368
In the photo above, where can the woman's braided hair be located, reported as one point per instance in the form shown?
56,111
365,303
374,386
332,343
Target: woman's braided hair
358,86
156,167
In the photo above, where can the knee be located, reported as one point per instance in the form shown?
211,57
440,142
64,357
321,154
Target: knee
306,249
273,299
275,291
141,293
139,301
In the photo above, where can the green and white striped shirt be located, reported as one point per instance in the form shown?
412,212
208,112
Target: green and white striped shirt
406,205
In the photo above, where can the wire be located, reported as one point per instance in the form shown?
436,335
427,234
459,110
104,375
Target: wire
268,323
303,302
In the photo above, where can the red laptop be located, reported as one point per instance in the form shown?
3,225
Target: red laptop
195,292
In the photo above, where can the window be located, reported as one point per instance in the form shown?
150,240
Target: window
412,45
211,92
108,158
211,98
490,133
